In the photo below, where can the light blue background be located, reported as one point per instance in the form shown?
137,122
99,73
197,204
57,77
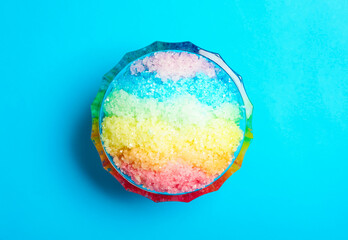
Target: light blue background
293,58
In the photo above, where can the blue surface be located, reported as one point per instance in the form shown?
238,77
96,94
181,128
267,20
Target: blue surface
293,58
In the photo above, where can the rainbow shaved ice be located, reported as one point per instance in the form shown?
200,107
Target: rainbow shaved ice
171,121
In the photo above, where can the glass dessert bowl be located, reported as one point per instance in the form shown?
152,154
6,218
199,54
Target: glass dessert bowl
171,121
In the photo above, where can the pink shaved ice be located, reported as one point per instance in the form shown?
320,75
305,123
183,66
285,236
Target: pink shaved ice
174,65
175,177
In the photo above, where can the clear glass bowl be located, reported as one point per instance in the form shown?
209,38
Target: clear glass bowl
120,78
